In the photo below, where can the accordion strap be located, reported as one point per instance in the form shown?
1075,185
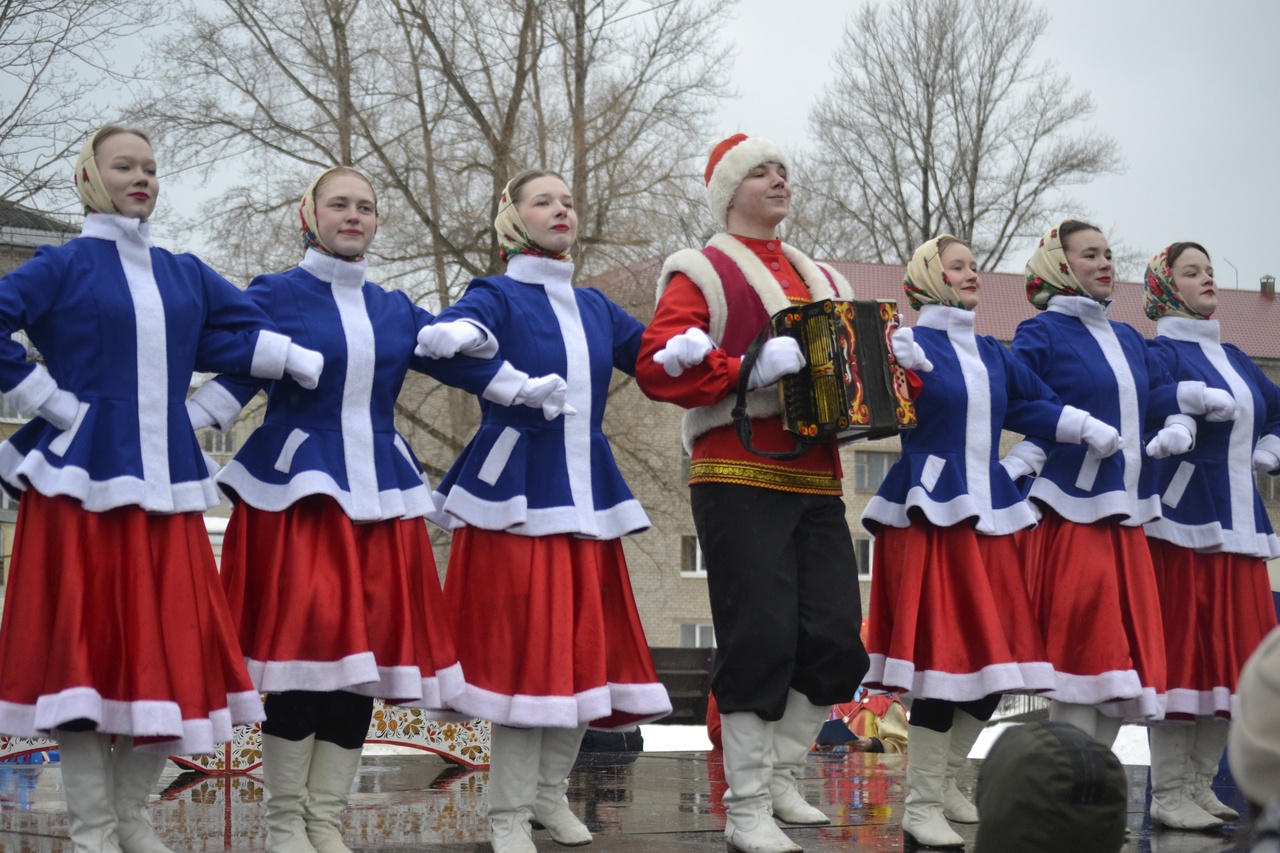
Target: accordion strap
742,420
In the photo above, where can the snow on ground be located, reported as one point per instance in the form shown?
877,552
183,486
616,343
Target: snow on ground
1130,746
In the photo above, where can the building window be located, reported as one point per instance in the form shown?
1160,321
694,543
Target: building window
691,564
697,635
217,443
864,548
869,469
1269,488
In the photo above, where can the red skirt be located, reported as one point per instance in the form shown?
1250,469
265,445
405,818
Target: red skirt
548,632
1094,592
323,604
1218,608
950,617
118,617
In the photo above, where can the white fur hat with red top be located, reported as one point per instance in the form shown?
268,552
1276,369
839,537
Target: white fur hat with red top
731,160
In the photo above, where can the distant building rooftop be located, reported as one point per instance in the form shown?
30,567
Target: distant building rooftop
1250,319
22,226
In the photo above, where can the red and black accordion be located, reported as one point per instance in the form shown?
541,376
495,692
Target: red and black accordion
852,386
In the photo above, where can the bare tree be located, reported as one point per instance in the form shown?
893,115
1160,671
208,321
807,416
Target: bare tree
440,102
941,119
52,62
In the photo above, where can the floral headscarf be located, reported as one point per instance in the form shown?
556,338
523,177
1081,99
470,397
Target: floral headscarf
1048,273
926,283
307,212
1160,297
513,237
88,181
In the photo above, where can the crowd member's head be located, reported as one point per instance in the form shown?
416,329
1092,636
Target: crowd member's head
1073,259
1253,746
748,185
536,217
942,271
339,213
1051,788
116,173
1179,283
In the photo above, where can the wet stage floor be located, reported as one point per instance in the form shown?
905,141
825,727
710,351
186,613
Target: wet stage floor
651,802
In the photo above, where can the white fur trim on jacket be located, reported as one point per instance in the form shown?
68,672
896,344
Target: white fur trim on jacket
32,392
220,403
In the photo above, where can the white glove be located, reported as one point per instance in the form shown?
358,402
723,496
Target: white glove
199,416
60,409
547,393
1264,461
778,357
1171,440
1103,439
1219,405
909,353
1016,466
684,351
445,340
304,365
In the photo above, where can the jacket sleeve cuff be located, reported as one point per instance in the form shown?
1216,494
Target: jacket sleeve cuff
269,355
487,348
1030,453
1270,443
1190,398
1070,425
502,389
32,392
220,403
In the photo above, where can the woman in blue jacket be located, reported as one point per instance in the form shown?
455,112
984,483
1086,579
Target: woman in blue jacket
1211,546
327,563
115,626
1089,568
547,627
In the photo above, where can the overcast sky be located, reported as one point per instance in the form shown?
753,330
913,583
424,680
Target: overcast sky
1190,90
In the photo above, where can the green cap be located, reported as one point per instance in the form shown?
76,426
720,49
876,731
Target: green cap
1050,788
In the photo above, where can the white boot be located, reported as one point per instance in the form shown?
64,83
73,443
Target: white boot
926,780
135,774
1083,717
86,777
965,729
1106,728
286,764
748,768
1171,778
333,769
551,806
1206,755
792,739
513,785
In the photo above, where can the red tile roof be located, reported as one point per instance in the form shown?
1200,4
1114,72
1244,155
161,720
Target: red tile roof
1250,320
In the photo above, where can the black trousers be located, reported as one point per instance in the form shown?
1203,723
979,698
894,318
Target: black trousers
937,714
337,716
783,583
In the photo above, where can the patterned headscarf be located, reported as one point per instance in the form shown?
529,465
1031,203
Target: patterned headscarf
307,212
1048,273
926,283
1161,297
88,182
513,237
